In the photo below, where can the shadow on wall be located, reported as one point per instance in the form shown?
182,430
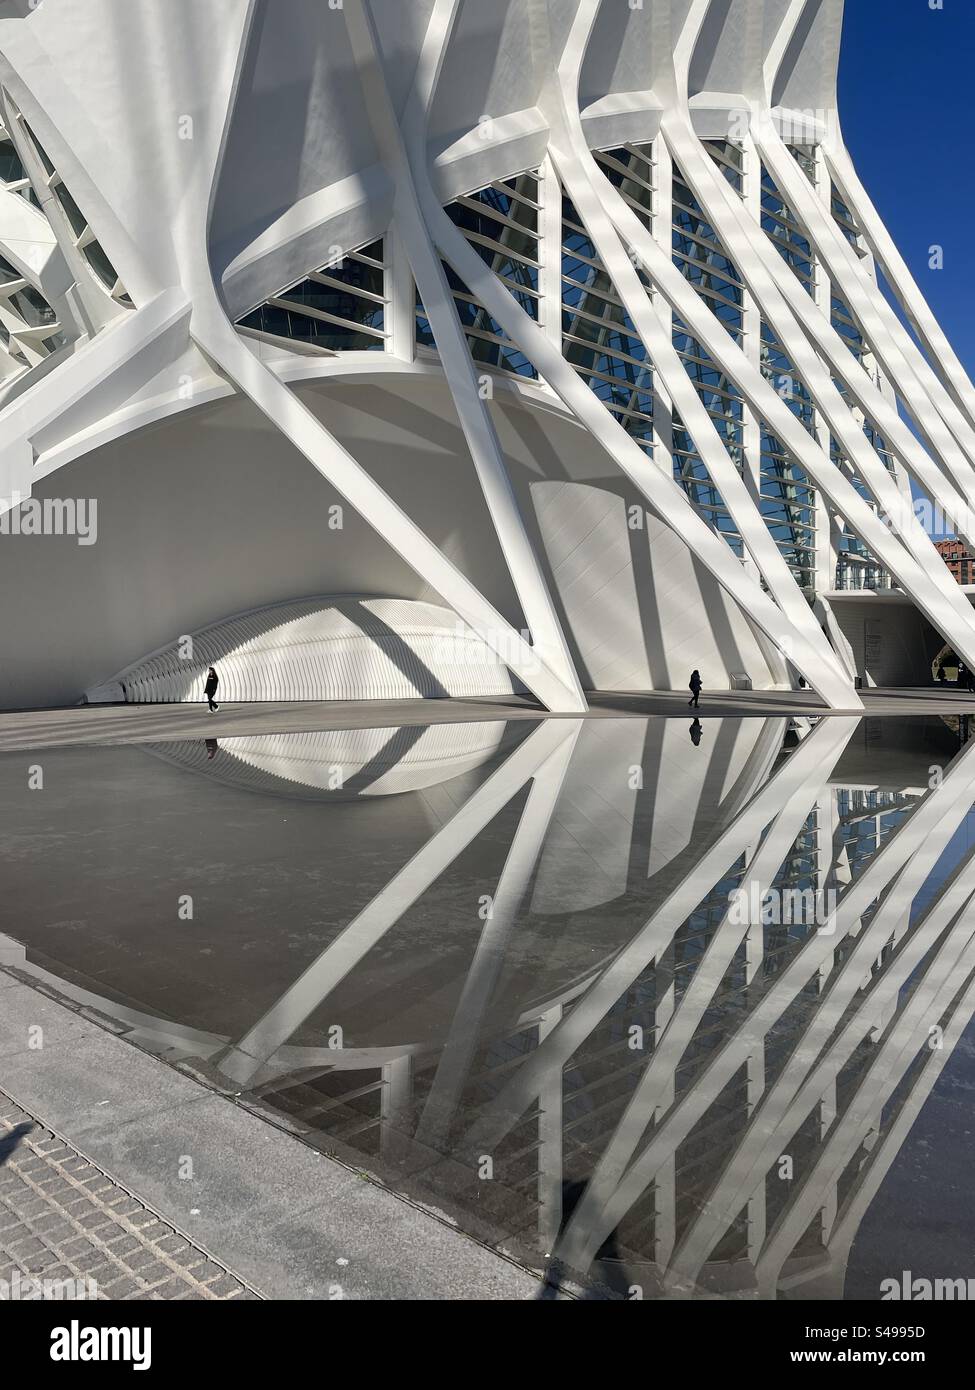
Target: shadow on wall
325,648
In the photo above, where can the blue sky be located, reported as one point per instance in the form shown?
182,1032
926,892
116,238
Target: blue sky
907,103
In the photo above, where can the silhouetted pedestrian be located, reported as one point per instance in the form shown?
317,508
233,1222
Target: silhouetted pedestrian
695,685
210,689
697,729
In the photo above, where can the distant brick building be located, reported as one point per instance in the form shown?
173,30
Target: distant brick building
958,559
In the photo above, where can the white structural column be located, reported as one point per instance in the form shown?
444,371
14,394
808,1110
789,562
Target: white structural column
99,374
667,500
214,333
947,366
902,361
946,473
549,642
941,602
682,392
780,295
938,597
588,189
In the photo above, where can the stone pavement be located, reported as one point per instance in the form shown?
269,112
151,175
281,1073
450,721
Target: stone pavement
288,1220
63,1220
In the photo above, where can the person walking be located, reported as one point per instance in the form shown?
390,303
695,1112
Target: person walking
695,685
210,689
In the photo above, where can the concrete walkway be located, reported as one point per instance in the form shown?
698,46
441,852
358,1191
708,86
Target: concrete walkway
106,724
67,1230
120,1168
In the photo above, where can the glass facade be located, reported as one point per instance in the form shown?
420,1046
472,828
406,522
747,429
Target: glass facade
698,254
341,307
500,223
599,339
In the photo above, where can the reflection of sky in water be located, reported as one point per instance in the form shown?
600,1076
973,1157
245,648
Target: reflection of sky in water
496,964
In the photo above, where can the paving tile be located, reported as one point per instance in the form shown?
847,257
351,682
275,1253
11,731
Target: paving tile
98,1234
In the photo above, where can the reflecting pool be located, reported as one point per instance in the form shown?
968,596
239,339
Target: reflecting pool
664,1008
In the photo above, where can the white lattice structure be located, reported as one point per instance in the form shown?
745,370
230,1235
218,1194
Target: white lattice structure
573,306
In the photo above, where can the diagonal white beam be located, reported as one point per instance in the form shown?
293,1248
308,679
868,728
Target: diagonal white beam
482,977
666,498
947,609
590,192
957,385
725,476
113,364
734,839
814,761
403,162
325,973
785,304
783,1110
951,459
923,835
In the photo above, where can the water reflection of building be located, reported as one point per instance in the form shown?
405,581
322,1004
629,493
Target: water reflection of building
626,1078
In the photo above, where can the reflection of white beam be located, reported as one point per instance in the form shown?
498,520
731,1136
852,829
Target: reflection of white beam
869,1180
809,765
550,1146
372,923
797,1090
482,977
715,861
934,821
396,1095
928,1001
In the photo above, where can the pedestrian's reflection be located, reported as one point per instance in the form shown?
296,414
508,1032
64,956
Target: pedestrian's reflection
608,1277
211,745
697,729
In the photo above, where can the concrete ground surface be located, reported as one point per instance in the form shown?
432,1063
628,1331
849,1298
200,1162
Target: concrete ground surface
66,1228
102,724
115,1166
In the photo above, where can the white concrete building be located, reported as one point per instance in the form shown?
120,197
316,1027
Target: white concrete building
412,347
